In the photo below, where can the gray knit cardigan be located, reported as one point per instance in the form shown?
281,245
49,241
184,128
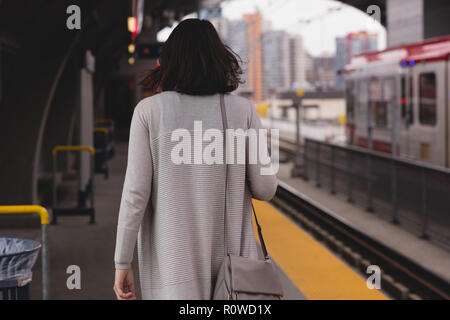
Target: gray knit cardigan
175,210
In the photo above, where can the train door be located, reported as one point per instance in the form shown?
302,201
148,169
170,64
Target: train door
428,131
406,114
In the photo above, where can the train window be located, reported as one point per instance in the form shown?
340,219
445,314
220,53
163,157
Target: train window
350,98
427,98
406,101
410,106
379,111
362,91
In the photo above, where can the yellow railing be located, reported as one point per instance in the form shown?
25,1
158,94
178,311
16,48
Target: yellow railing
19,209
73,148
104,130
42,212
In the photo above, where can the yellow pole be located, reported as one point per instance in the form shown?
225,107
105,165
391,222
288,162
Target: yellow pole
19,209
73,148
43,213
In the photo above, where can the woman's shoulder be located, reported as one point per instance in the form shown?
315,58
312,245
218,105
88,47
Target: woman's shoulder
237,99
243,106
172,98
156,98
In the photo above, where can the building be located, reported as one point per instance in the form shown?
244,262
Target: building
321,74
350,46
255,82
276,58
316,106
297,63
236,39
284,62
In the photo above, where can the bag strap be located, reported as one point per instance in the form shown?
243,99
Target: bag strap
261,239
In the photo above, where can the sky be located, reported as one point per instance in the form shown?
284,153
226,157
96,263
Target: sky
324,26
291,15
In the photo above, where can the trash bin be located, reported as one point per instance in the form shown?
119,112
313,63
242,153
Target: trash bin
17,257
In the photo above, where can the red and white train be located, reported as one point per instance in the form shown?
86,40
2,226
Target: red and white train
401,94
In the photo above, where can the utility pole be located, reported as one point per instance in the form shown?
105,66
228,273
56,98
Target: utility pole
298,169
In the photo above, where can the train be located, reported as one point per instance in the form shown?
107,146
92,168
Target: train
397,101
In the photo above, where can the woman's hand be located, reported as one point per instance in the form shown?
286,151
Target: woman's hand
124,285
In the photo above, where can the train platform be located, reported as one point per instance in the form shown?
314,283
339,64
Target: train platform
423,252
317,272
308,269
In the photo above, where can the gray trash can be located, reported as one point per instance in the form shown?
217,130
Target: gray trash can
17,257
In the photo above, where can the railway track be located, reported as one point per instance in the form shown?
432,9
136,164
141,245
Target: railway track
400,277
287,147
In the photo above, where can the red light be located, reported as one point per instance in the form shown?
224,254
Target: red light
132,25
403,101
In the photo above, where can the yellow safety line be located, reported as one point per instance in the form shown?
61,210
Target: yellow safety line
73,148
104,130
316,272
19,209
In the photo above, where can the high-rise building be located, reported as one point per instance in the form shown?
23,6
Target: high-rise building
350,46
236,38
284,62
324,72
297,63
254,54
276,58
271,60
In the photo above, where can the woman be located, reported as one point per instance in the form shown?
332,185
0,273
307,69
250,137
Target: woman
173,197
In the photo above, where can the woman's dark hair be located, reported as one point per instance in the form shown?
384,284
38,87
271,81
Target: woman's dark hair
195,61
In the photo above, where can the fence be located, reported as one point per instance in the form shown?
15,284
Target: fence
413,194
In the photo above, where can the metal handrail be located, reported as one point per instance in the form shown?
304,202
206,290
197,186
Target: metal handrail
104,130
43,213
382,155
392,164
56,149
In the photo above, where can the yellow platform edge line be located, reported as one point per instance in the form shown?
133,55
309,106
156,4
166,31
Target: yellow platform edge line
316,272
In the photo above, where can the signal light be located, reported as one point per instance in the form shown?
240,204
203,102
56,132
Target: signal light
405,63
131,48
132,25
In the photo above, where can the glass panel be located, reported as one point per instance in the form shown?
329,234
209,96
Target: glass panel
350,99
362,98
381,95
427,98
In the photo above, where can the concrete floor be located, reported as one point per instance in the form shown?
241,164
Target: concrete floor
73,241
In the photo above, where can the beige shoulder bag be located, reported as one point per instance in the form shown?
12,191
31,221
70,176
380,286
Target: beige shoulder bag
240,277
